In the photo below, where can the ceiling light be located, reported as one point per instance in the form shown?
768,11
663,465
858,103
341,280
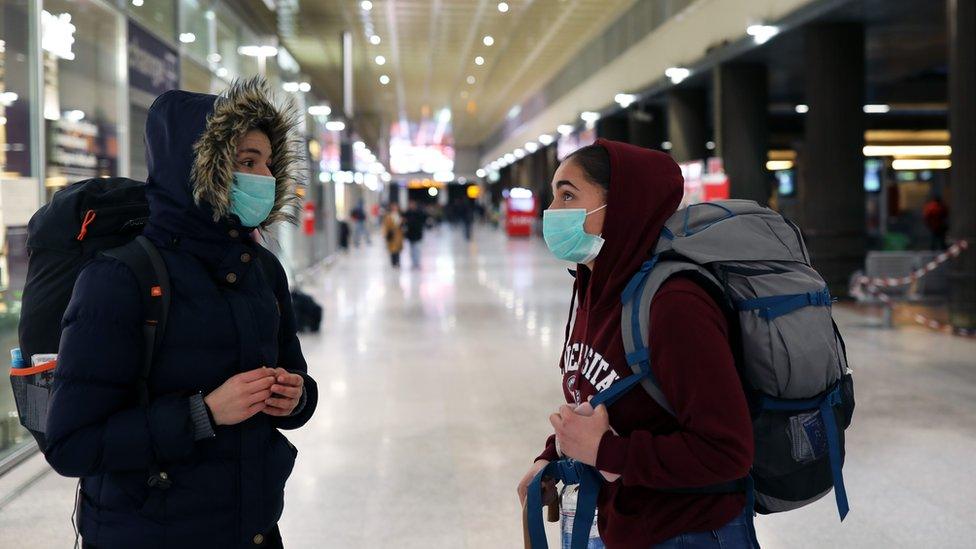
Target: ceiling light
488,40
214,58
907,150
380,60
471,80
258,51
432,191
876,109
545,139
589,116
304,87
366,5
510,158
73,116
625,99
291,87
677,74
762,33
443,177
384,79
335,125
444,116
359,146
481,173
188,38
375,40
222,72
514,112
565,129
531,147
777,165
519,153
138,3
479,60
710,145
320,110
667,145
503,7
921,164
802,109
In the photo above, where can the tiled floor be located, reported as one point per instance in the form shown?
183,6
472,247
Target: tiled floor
436,385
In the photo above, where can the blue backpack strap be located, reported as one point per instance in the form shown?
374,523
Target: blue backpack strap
778,305
569,472
826,405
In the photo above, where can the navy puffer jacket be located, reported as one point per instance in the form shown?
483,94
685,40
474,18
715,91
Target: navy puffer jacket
230,312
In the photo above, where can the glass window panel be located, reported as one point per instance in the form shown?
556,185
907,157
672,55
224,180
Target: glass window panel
156,15
19,194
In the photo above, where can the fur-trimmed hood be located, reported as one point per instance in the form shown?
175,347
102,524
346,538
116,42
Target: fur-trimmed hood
191,141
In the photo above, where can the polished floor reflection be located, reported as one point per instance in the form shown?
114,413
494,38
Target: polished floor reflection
435,388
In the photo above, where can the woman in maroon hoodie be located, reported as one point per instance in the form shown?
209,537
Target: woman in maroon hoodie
628,193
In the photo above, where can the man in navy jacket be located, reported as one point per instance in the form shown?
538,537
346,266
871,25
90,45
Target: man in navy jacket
229,374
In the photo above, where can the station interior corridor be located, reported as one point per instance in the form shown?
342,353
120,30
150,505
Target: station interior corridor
435,387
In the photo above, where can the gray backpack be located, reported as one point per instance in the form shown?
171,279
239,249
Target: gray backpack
792,358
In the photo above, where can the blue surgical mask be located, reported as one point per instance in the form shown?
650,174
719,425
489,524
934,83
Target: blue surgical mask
564,234
252,197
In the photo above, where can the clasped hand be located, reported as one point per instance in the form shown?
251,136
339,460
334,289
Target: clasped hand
274,391
579,431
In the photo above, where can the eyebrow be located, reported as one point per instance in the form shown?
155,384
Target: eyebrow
564,183
253,151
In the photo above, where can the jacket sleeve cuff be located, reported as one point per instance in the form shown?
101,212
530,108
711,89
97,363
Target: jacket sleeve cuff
301,404
611,456
550,453
203,427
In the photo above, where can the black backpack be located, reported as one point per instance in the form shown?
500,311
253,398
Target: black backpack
91,217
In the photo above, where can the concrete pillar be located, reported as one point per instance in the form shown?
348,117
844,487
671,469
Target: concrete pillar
831,166
741,128
646,127
962,191
686,124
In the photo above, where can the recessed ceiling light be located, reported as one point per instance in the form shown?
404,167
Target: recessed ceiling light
479,60
565,129
375,40
384,79
380,60
188,38
802,109
545,139
877,109
762,33
677,74
481,173
503,7
488,40
471,80
531,146
320,110
366,5
304,87
667,145
137,3
625,99
590,116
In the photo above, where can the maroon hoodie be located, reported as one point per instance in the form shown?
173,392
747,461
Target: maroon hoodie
710,440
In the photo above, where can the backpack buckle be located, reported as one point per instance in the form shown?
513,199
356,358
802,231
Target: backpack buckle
160,480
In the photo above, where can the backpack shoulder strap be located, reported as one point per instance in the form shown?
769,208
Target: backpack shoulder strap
635,319
142,257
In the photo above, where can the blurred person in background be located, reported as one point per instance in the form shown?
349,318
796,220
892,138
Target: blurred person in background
393,233
415,221
360,230
935,213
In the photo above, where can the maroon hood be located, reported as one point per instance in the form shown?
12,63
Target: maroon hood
645,189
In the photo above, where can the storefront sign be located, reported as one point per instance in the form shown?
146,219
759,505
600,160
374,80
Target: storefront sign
154,67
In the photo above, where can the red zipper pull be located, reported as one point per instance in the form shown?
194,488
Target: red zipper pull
89,218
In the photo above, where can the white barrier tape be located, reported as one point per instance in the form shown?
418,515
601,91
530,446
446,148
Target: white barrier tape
874,288
943,327
952,252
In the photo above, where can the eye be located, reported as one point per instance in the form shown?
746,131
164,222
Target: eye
247,163
567,196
